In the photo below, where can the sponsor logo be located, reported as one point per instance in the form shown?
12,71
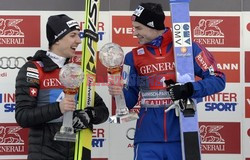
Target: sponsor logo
229,64
221,102
182,37
32,70
13,140
216,31
151,24
140,51
208,28
158,97
98,138
8,101
158,102
100,29
10,28
211,133
32,75
220,138
51,82
248,27
90,89
59,34
138,11
125,74
91,47
15,31
202,61
247,102
33,92
157,67
53,56
130,133
72,23
122,31
3,74
12,62
32,80
247,65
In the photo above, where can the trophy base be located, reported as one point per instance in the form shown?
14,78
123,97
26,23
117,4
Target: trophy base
65,134
123,118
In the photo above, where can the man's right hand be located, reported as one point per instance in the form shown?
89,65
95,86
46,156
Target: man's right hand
115,90
67,104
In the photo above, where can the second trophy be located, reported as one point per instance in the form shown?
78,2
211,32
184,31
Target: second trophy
111,56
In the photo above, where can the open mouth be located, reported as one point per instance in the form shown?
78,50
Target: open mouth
73,48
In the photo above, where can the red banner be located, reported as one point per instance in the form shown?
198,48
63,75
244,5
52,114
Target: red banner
229,63
216,31
220,137
19,31
13,139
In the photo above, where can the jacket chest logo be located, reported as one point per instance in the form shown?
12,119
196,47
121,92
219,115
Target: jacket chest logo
51,82
157,67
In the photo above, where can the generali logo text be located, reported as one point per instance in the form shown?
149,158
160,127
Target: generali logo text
220,138
216,31
15,31
13,139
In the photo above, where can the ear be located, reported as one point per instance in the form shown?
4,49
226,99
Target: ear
58,42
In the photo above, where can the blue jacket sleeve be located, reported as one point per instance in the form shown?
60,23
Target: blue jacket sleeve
212,80
131,91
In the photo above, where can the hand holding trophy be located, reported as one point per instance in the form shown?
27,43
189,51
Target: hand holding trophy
111,56
71,76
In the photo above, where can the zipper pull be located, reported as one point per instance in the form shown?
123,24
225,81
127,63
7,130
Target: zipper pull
160,51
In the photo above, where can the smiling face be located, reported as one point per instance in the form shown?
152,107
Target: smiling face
144,33
66,46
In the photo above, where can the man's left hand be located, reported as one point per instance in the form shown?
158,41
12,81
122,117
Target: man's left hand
82,118
180,91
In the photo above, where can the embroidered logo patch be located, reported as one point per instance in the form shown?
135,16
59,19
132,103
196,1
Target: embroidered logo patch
33,92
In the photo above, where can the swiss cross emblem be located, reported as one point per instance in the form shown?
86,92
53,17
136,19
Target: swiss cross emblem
33,92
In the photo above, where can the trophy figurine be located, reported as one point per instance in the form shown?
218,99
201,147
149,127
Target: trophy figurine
111,56
71,76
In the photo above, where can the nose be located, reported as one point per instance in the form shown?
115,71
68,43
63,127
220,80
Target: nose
78,39
135,33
